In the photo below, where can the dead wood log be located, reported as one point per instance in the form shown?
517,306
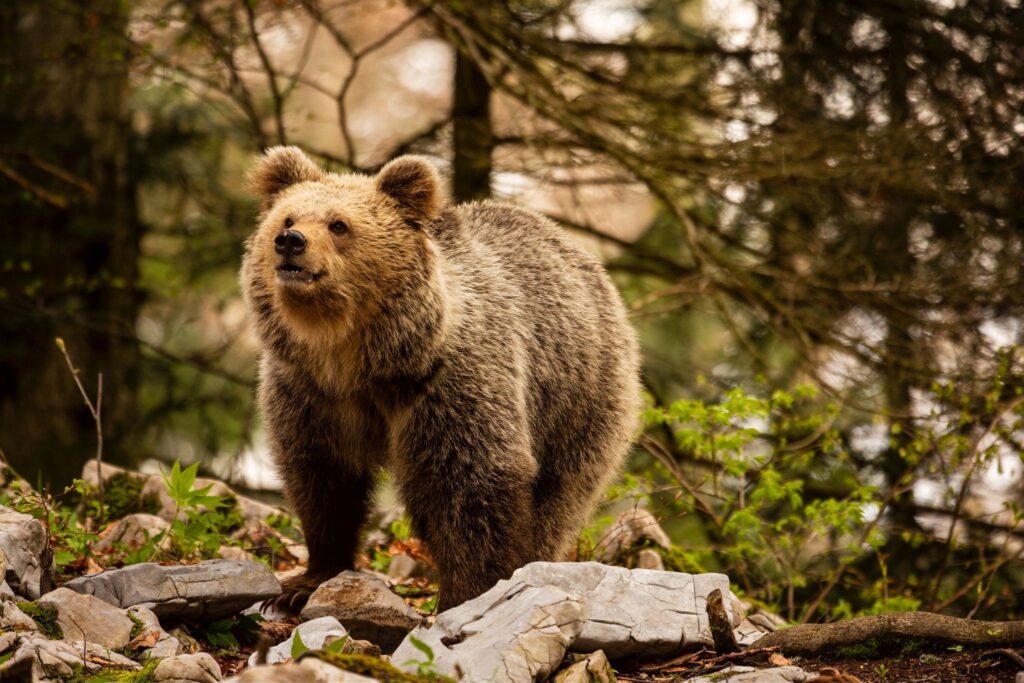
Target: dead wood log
721,627
892,629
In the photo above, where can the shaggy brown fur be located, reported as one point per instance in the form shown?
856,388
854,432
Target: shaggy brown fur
471,350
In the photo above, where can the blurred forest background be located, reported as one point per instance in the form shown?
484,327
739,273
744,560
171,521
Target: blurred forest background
815,211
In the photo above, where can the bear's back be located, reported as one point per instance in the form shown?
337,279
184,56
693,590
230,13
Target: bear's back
527,281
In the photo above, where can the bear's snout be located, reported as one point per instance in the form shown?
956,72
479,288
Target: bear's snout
289,243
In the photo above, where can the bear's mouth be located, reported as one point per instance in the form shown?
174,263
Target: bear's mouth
289,272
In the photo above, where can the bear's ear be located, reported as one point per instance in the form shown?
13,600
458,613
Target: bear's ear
278,169
415,186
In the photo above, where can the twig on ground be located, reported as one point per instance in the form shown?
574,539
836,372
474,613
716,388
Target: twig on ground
96,410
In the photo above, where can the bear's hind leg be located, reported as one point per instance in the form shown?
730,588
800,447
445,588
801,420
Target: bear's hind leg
466,477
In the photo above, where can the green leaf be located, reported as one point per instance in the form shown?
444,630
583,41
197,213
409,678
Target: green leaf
422,647
298,647
337,646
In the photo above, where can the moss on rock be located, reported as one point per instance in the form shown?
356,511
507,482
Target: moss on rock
122,494
45,617
371,666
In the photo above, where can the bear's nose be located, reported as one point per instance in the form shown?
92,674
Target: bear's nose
290,242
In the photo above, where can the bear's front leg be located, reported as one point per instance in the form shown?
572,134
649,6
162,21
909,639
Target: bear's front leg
325,450
466,474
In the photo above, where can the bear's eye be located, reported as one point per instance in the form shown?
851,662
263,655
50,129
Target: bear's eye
338,227
288,222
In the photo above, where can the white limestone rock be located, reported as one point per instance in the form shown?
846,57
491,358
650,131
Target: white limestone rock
635,612
513,633
198,668
22,541
312,633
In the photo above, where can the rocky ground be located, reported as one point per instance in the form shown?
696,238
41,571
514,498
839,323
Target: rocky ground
170,589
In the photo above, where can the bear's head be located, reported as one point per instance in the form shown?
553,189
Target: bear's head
333,251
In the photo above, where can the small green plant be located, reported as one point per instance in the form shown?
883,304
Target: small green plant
381,561
234,632
882,670
337,647
208,520
424,669
298,647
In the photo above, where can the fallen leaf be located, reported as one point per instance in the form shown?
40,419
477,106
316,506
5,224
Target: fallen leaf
776,659
144,640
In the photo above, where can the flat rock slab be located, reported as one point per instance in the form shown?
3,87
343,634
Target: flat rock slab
22,541
511,634
86,617
209,590
365,606
634,612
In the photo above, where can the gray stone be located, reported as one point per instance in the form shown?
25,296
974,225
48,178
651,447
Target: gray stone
22,540
748,674
132,532
634,613
404,566
197,668
510,634
13,619
313,634
366,607
209,590
592,668
632,526
85,617
309,670
163,644
56,660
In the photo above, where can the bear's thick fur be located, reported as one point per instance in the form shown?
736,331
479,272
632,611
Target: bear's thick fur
472,350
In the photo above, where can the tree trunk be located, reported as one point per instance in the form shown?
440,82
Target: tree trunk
70,257
474,139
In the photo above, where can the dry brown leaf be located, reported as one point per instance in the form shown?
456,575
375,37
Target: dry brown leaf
776,659
92,567
144,640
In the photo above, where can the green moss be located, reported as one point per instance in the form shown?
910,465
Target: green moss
372,667
117,675
913,647
869,649
122,494
137,628
45,617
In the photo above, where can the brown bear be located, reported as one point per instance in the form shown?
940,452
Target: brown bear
471,350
